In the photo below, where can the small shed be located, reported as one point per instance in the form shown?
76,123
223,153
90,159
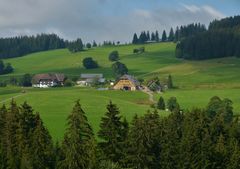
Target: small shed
88,79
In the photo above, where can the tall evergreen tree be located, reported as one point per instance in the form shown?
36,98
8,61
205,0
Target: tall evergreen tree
157,36
144,137
171,35
169,82
41,147
10,140
135,39
79,144
172,104
3,113
148,36
161,104
153,38
177,34
111,133
164,36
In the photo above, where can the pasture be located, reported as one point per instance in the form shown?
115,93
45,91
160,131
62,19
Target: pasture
195,81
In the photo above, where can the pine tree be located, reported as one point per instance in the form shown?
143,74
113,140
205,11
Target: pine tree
10,143
177,34
94,44
79,144
161,104
153,38
148,36
111,129
164,36
24,135
3,113
171,35
135,39
172,104
144,142
169,82
42,154
234,161
157,36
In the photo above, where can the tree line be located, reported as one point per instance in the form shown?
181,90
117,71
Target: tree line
173,35
200,138
22,45
222,39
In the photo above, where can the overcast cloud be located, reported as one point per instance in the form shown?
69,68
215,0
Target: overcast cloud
95,19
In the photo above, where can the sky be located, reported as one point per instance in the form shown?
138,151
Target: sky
115,20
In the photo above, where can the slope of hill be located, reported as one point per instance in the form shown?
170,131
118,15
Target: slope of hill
158,60
196,82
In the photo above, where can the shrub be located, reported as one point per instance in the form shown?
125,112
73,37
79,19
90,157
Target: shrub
89,63
113,56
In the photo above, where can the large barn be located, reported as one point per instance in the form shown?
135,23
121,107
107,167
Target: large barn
48,80
127,82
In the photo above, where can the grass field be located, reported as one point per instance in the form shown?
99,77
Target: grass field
55,104
196,82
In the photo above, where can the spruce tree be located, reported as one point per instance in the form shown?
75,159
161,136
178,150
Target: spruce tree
161,104
172,104
164,36
157,36
10,139
78,145
171,35
3,113
177,34
148,36
42,152
169,82
135,39
111,133
153,38
144,142
234,161
24,135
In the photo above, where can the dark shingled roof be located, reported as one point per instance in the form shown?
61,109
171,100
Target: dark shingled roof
58,77
130,78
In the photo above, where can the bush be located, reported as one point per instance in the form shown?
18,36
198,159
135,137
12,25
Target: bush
119,69
89,63
5,69
88,45
26,80
140,50
68,83
113,56
3,84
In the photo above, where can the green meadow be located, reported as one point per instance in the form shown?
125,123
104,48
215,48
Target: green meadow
196,82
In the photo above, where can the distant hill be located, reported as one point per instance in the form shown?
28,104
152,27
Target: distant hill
157,60
221,40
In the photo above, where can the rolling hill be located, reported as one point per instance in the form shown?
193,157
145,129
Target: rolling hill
196,82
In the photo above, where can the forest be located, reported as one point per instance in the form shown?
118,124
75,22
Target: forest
22,45
196,139
222,39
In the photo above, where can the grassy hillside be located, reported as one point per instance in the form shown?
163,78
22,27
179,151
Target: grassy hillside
196,82
55,104
159,60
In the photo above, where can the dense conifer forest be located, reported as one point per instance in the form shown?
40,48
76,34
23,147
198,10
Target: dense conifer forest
222,39
200,138
19,46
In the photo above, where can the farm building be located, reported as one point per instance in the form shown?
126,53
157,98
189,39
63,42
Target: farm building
48,80
127,82
88,79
